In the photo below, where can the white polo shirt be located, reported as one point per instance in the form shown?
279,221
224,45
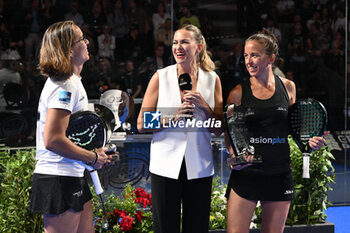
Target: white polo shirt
69,95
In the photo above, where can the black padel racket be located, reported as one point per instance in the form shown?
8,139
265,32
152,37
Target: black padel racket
130,169
89,131
237,131
306,118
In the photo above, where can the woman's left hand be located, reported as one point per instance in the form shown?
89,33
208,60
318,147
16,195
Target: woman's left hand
199,103
317,142
195,98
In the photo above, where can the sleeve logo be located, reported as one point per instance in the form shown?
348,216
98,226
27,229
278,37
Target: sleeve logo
64,96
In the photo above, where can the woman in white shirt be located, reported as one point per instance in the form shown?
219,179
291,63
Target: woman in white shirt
59,189
181,162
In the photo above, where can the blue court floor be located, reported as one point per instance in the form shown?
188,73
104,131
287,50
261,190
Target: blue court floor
340,216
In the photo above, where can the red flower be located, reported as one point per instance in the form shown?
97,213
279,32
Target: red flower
138,216
126,223
143,198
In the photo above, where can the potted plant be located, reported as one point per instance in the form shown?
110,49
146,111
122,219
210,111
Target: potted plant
130,212
16,181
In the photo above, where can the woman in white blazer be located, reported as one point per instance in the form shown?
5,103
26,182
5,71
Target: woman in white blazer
181,162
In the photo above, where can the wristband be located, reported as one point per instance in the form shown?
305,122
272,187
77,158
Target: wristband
95,161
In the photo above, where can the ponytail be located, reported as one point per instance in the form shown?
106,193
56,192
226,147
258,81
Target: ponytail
204,60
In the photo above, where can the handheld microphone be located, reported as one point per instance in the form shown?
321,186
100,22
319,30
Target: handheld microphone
185,84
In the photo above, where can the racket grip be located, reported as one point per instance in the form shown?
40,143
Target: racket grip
306,165
96,181
95,178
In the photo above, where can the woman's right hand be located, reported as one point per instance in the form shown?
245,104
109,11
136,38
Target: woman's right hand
186,109
102,158
234,166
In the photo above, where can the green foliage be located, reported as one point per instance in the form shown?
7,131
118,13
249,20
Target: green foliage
218,207
310,194
16,180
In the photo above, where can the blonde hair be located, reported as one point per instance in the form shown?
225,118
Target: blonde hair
205,61
55,60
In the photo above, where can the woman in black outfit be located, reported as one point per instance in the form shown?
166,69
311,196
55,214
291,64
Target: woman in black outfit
267,98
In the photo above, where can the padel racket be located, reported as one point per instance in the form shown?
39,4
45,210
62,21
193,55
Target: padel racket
89,131
130,169
306,118
237,131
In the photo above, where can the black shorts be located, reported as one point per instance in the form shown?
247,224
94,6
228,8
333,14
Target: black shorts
53,194
279,187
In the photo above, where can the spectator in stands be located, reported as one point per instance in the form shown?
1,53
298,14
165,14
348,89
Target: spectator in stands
106,7
33,30
305,9
137,16
337,52
160,59
48,14
116,82
148,69
285,10
117,21
234,70
90,36
159,18
74,14
325,15
91,76
4,12
210,34
315,19
326,33
8,46
339,21
7,75
270,26
105,74
315,35
96,19
296,51
130,82
106,44
164,36
133,44
189,18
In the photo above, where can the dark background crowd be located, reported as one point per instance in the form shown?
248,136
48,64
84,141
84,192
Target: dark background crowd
131,39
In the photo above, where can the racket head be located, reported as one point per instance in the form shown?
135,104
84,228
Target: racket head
130,168
87,130
237,131
306,118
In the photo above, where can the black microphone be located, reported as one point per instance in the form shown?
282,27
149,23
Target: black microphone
185,84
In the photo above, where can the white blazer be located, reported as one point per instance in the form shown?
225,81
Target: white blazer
168,146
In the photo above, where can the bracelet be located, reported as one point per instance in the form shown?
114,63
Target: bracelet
95,161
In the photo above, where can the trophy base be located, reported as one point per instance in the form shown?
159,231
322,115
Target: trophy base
243,159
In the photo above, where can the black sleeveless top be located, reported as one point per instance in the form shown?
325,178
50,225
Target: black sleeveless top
268,128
